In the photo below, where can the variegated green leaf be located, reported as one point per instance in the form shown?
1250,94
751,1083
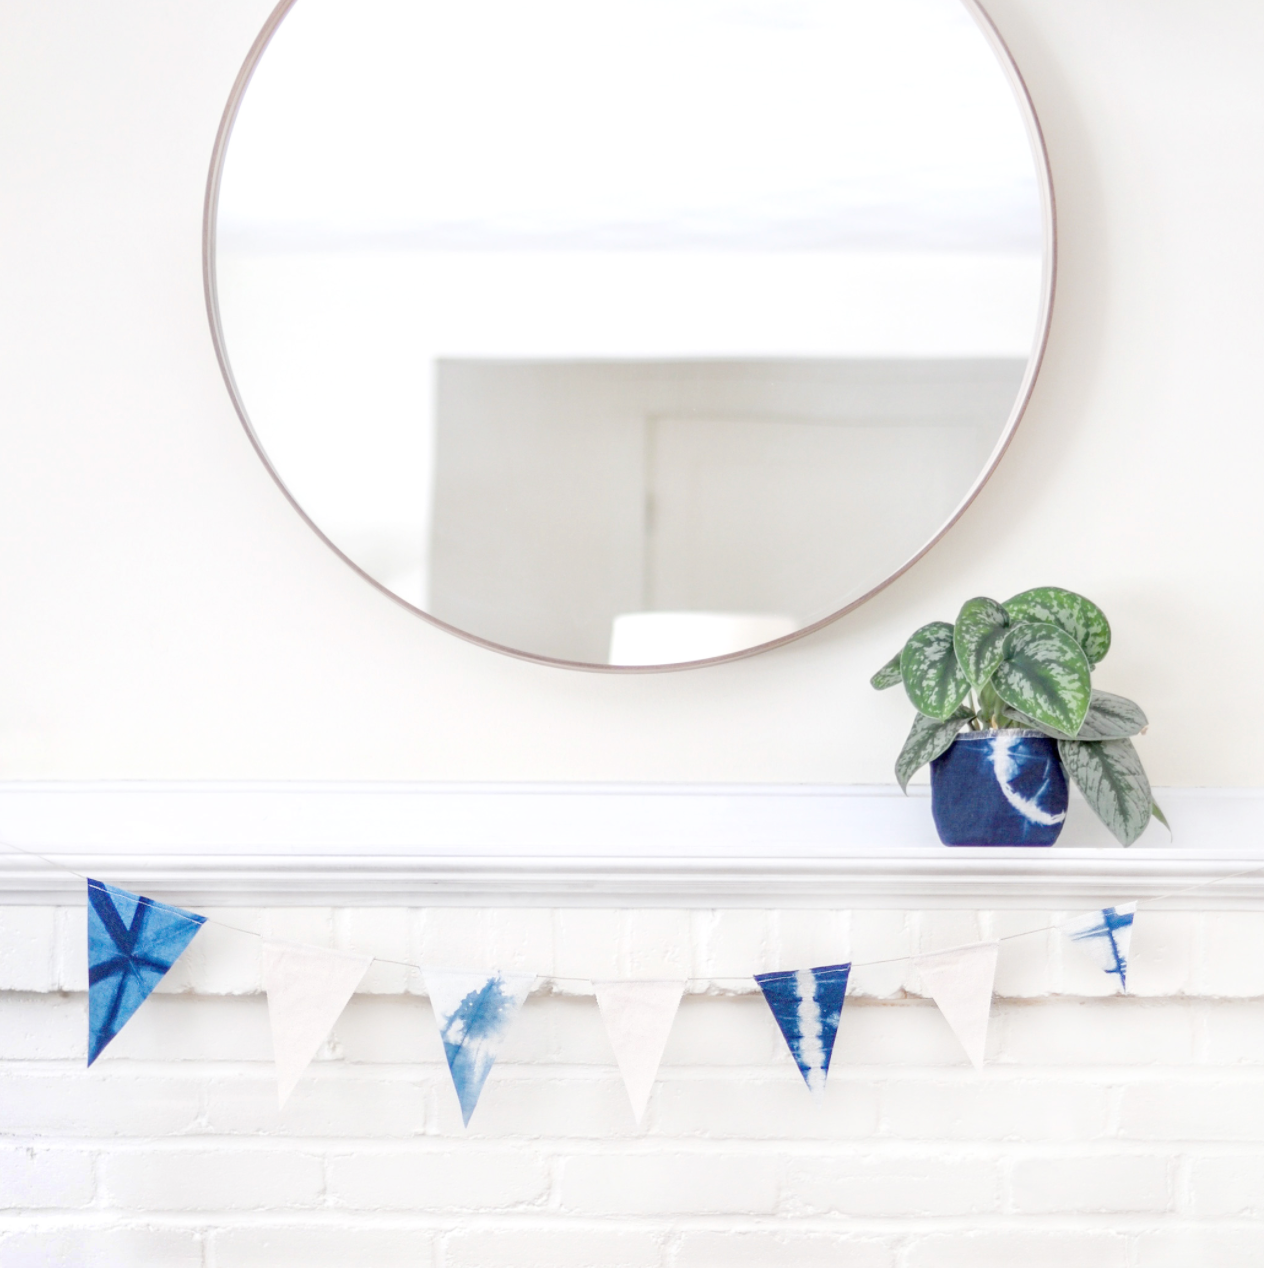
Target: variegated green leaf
1045,676
1109,717
1110,775
1083,620
1158,814
977,638
888,675
926,741
932,677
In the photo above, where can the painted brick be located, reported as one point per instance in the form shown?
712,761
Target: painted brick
380,931
40,1179
1111,1032
737,1031
1233,1032
1183,1110
70,949
314,926
1037,1248
43,1027
667,1184
465,1179
734,943
555,1247
565,1030
807,939
1092,1185
982,1108
1026,966
321,1105
765,1249
861,1184
577,1104
27,936
381,1030
586,944
1234,1247
220,960
881,936
520,939
165,1179
910,1033
101,1246
660,943
1161,957
454,938
323,1246
177,1028
1231,1185
1230,962
765,1108
98,1103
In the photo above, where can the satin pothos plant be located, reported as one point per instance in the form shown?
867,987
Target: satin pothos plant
1027,663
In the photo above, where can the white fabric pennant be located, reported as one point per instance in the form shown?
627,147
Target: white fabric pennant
960,981
474,1012
308,987
638,1017
1105,937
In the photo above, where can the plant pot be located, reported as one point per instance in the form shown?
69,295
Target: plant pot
999,788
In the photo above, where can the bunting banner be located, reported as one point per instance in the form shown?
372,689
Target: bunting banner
1105,936
638,1017
960,981
307,988
132,942
807,1005
474,1012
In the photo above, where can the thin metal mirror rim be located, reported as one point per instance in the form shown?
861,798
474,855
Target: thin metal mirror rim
1044,178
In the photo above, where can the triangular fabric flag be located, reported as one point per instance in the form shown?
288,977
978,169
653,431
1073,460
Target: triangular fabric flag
308,987
638,1017
807,1005
1105,936
132,942
474,1012
960,981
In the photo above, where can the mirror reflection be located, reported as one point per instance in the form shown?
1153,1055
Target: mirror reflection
630,332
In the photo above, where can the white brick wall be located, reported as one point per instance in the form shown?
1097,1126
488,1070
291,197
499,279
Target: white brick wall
1122,1132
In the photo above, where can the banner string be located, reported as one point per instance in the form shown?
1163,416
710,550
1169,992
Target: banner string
692,981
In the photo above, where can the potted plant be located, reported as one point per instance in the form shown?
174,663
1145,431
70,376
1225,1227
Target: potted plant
1006,711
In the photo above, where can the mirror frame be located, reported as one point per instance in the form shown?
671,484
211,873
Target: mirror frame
1044,179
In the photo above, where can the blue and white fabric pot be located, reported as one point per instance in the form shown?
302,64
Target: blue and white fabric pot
999,788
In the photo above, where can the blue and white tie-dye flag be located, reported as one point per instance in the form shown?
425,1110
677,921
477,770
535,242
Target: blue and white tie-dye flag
132,942
474,1012
807,1005
1104,936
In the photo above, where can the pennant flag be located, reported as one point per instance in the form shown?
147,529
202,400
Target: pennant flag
960,981
1104,936
474,1012
807,1005
308,987
638,1017
132,942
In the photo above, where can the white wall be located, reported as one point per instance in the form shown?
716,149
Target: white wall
166,614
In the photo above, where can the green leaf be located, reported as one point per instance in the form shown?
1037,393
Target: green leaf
1110,775
926,741
1045,676
1112,717
888,675
1109,717
1162,818
932,677
1071,612
977,638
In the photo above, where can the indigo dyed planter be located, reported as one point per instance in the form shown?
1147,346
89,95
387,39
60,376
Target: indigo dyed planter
999,788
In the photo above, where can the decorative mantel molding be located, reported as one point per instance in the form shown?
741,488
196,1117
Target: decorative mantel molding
596,845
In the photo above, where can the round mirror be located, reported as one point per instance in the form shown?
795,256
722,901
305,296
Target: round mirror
629,332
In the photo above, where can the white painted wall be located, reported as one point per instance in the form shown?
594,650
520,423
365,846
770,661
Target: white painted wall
168,615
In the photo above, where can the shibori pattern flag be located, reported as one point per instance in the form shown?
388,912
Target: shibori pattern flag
132,942
1105,936
807,1005
638,1017
474,1012
960,981
307,988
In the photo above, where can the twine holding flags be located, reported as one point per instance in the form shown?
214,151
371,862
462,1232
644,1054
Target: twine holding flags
133,941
